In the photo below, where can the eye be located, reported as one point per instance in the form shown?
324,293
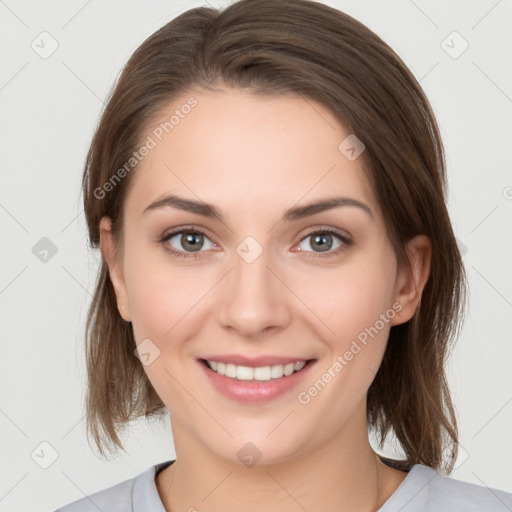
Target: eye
187,242
323,242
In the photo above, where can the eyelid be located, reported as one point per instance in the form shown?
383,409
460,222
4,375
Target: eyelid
344,236
178,231
181,229
327,229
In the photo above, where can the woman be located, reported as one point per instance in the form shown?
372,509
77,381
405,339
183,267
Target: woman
267,187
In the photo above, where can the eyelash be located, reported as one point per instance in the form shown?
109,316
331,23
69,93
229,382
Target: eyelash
196,231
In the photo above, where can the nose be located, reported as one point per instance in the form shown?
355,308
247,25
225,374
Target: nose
254,297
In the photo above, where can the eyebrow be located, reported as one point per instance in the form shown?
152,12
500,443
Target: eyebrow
294,213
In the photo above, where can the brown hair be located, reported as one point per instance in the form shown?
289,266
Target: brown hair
305,48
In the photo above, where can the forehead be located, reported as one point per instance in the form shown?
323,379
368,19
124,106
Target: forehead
233,148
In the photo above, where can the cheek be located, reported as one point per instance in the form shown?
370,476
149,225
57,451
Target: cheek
350,298
356,305
159,296
162,302
151,307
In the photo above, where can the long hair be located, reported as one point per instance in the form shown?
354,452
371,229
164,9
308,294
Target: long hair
299,47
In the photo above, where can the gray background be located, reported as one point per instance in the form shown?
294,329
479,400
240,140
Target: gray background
50,107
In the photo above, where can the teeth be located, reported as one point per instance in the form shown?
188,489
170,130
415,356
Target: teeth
230,371
299,366
263,373
288,369
260,373
276,372
244,373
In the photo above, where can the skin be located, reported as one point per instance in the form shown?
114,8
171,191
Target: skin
253,157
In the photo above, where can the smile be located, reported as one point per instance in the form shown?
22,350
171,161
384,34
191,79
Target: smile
260,373
255,380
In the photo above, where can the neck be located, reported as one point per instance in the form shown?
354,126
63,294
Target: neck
341,475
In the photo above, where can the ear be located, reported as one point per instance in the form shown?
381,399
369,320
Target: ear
411,279
115,268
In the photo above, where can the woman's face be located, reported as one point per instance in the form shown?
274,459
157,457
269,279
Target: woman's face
270,281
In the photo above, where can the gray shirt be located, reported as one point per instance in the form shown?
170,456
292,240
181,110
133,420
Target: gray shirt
423,489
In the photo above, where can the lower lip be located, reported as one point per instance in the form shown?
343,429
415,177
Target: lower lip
255,391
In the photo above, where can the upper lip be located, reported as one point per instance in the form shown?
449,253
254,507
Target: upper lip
254,362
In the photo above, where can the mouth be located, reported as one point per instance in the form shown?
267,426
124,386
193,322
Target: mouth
255,381
258,373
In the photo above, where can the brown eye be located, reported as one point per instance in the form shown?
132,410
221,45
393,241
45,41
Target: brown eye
326,241
191,241
185,242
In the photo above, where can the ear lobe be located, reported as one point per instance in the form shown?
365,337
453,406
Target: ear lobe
114,268
412,278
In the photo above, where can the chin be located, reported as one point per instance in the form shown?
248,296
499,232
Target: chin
252,447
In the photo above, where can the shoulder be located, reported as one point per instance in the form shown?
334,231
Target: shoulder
449,492
134,494
117,498
424,489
